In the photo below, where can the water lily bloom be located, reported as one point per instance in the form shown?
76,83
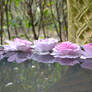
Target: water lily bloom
18,50
87,50
67,50
18,45
67,53
44,45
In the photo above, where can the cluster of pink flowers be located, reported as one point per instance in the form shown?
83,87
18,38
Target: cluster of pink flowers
66,53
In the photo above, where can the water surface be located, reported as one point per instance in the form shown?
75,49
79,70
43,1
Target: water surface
32,76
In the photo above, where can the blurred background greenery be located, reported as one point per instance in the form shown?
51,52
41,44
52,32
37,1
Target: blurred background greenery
33,19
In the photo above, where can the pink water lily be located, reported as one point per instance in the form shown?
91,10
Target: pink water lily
87,50
67,53
67,50
18,45
44,45
18,50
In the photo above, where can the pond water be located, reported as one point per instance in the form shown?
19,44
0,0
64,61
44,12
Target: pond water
32,76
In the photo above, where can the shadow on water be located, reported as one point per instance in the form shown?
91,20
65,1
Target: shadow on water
34,76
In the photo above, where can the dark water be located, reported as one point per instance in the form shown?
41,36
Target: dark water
32,76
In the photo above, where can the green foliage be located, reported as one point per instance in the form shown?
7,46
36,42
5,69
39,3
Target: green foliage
24,14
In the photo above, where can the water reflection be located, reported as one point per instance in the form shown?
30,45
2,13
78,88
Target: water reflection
18,56
43,58
21,57
75,79
29,76
33,76
87,63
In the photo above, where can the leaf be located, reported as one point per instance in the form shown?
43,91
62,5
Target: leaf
46,12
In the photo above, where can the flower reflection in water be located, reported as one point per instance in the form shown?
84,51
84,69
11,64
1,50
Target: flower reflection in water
18,56
43,58
86,63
